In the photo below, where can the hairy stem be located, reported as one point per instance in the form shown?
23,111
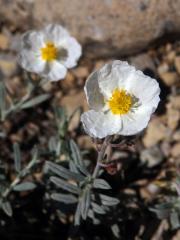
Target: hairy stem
101,156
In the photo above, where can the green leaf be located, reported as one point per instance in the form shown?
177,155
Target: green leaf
63,172
101,183
85,203
17,157
116,231
6,207
97,208
174,219
2,97
77,216
25,186
35,101
94,219
77,159
65,185
65,198
108,201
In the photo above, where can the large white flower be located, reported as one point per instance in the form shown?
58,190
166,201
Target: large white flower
122,100
49,52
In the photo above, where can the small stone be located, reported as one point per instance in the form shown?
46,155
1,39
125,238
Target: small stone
152,156
175,101
171,56
85,142
176,136
143,61
155,133
169,78
177,64
173,117
73,102
163,68
81,72
4,42
8,67
175,151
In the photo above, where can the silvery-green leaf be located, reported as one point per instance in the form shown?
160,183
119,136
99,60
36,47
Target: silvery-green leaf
85,203
161,213
101,183
25,186
6,206
52,144
94,219
108,201
35,101
2,97
174,219
65,185
77,158
17,157
97,208
115,230
65,198
63,172
77,216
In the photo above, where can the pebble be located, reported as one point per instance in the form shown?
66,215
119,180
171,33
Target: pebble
152,156
4,42
175,151
173,117
155,133
169,78
177,64
8,67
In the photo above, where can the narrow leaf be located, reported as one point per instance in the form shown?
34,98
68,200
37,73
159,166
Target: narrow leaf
35,101
65,185
174,219
2,97
17,157
101,183
97,208
115,230
108,201
77,158
76,155
25,186
85,203
65,198
6,206
77,216
63,172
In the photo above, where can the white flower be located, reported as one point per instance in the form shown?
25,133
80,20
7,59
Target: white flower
122,100
49,52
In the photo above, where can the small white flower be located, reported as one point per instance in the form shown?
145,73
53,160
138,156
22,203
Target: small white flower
122,100
49,52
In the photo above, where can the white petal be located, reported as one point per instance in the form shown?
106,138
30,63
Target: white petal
73,49
55,33
134,123
54,71
99,124
114,75
32,40
143,87
31,61
94,98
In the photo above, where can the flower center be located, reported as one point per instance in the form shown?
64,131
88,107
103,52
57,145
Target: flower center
120,102
49,52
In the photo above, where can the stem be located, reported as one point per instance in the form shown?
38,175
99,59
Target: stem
20,176
100,156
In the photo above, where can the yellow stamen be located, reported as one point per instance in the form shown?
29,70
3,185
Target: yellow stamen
49,52
120,102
